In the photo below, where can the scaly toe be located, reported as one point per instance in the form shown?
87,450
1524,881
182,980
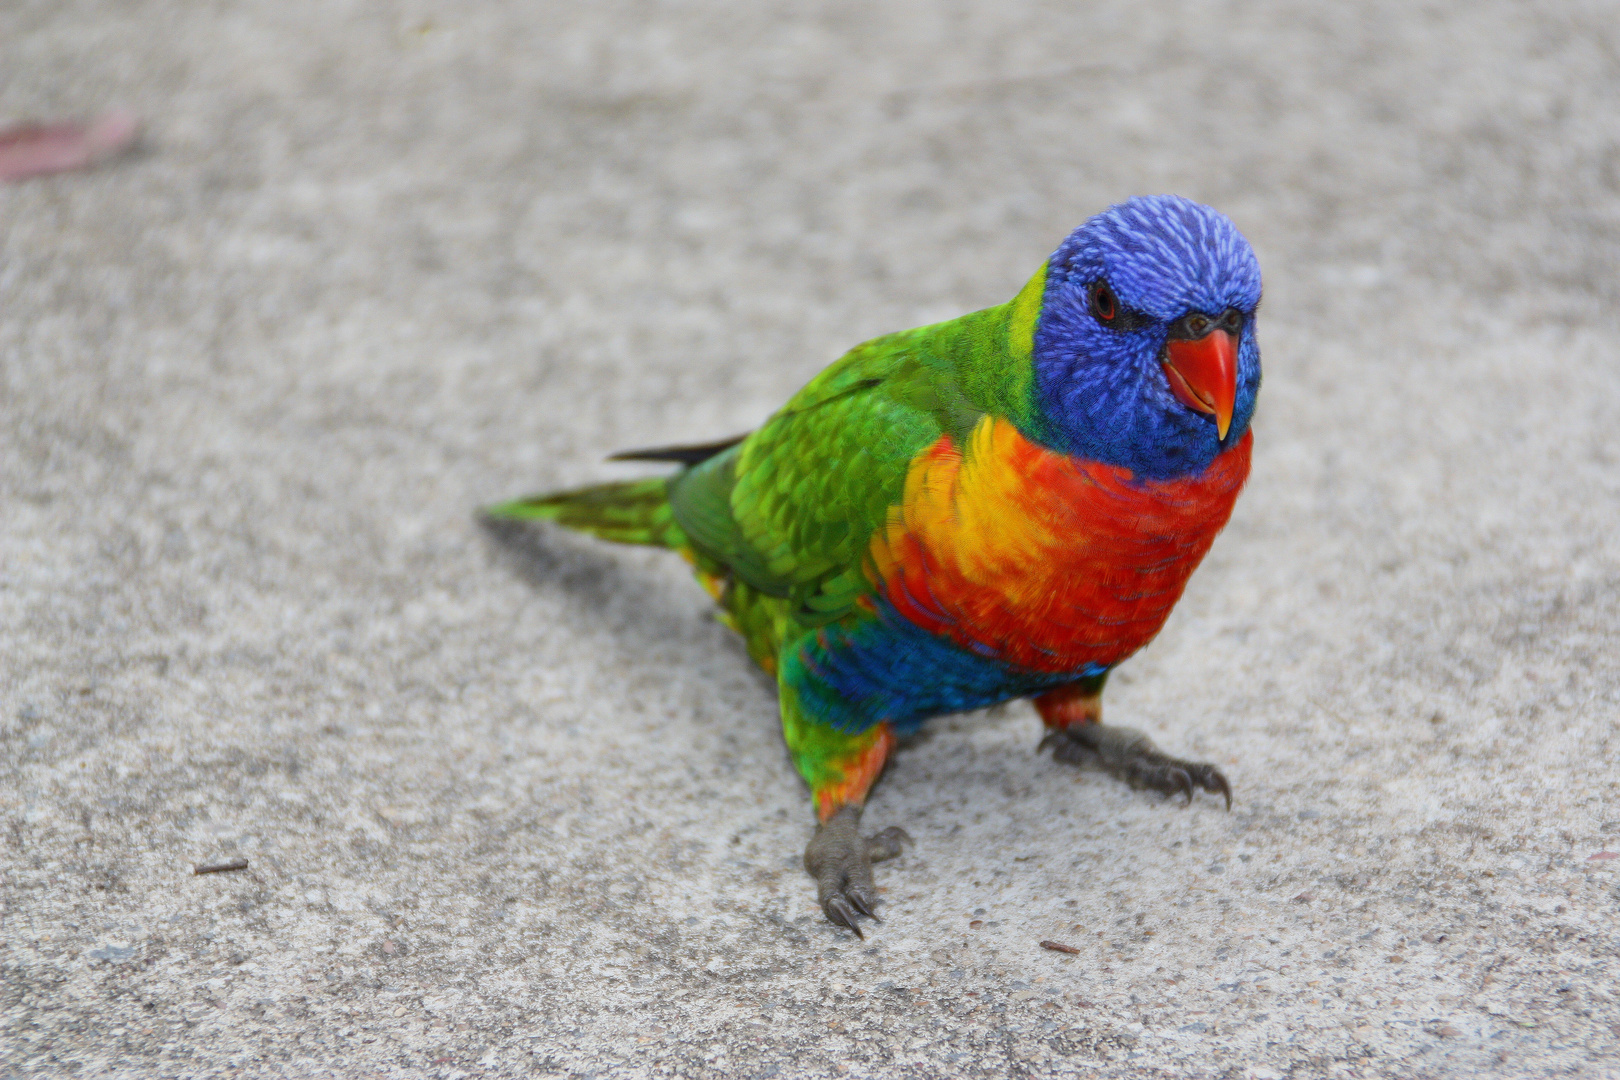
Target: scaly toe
1067,748
887,844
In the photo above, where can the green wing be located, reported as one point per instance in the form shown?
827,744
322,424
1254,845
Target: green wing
791,509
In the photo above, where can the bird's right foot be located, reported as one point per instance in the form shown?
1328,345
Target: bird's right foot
1131,756
840,860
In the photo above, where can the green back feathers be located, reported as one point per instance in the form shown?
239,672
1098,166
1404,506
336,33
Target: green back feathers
635,512
792,509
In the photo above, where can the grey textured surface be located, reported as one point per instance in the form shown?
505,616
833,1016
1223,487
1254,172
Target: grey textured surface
520,808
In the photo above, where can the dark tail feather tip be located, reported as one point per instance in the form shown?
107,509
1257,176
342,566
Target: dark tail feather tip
681,455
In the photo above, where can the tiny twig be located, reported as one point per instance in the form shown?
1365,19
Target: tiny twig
221,867
1058,946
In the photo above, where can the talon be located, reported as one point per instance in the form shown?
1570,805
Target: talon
860,904
1183,784
1213,781
838,911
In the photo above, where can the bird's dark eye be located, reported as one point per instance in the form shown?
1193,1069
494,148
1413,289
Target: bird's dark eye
1232,321
1107,309
1104,304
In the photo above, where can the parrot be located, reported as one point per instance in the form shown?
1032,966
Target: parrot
1004,505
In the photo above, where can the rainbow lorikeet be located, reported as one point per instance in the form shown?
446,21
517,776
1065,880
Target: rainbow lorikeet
1004,505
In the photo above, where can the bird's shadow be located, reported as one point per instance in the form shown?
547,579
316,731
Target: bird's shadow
602,588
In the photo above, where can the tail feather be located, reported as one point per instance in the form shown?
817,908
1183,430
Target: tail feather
634,512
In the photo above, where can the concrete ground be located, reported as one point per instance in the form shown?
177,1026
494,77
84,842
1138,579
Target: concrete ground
515,805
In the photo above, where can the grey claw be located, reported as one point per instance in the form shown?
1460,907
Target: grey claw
1182,784
859,903
838,911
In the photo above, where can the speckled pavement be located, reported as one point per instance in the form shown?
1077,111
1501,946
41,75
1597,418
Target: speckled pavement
514,805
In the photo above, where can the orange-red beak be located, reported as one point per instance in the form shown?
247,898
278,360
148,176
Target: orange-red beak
1203,375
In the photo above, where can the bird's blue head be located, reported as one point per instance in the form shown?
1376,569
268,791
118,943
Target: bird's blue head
1145,353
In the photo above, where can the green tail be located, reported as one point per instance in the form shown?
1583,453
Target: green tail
633,512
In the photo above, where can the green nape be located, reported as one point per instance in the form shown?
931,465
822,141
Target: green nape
633,512
992,352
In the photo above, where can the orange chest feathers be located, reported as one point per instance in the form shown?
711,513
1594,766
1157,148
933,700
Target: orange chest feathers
1045,562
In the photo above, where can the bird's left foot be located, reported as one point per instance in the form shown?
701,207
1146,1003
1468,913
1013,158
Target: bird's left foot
1131,756
840,860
